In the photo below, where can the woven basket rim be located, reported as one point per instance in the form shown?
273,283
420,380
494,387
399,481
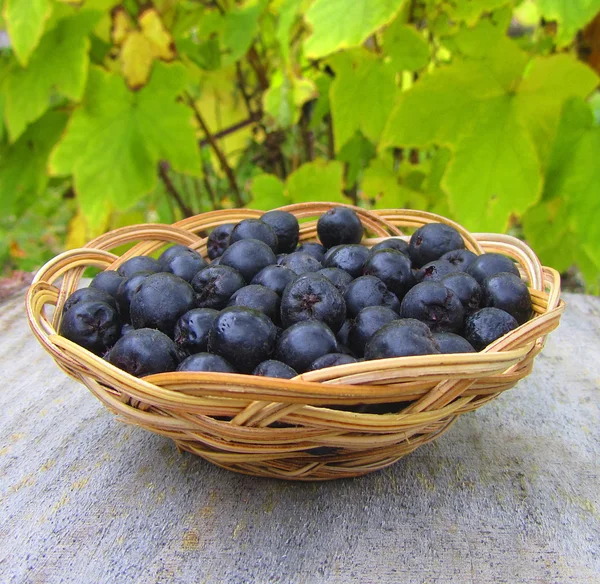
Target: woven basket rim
311,387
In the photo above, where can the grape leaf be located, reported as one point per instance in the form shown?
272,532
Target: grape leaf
339,24
23,175
25,24
356,153
408,50
381,183
571,15
59,64
240,28
491,112
322,105
355,103
139,48
317,181
573,179
115,139
469,11
288,13
285,96
267,192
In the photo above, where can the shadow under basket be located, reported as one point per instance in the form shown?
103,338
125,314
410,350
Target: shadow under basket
313,427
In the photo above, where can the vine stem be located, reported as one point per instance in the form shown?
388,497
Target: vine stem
219,153
163,168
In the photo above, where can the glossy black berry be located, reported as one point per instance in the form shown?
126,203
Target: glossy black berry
368,321
343,334
191,330
215,285
275,277
349,258
431,241
398,339
126,328
508,292
126,290
300,262
259,298
338,226
139,264
392,243
273,368
435,305
218,240
368,291
94,325
206,362
435,271
452,343
89,295
144,352
242,336
487,325
160,301
488,264
109,281
461,259
182,261
286,227
248,257
338,277
304,342
466,289
316,250
393,269
254,229
313,298
331,360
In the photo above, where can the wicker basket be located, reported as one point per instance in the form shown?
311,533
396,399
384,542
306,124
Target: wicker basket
297,429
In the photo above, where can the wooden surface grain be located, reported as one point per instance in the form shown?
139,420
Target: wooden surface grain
510,494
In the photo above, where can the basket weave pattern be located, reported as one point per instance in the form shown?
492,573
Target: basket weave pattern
297,429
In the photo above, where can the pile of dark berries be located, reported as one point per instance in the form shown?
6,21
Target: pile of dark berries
267,306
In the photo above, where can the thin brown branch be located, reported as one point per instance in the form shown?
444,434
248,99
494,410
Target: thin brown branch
231,129
163,168
209,190
218,152
308,137
243,89
330,142
256,64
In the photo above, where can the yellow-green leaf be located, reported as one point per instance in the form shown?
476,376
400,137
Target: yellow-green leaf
339,24
136,59
58,65
571,15
267,192
25,21
407,49
317,181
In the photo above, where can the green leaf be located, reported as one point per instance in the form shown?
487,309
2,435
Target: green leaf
288,12
25,23
267,192
339,24
356,153
381,183
494,173
241,26
59,64
361,96
115,139
285,96
317,181
23,175
322,106
571,15
469,11
408,50
496,114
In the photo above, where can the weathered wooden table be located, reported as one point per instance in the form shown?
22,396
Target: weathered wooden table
509,494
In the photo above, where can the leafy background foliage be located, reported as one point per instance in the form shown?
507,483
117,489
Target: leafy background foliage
118,112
